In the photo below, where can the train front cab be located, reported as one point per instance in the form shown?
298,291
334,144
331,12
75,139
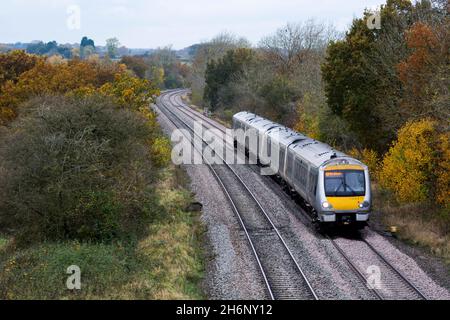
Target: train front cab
345,196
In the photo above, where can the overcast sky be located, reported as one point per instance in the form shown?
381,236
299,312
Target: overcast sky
155,23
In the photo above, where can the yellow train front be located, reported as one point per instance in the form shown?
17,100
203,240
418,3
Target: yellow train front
344,195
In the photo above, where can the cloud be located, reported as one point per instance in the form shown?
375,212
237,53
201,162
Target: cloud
141,23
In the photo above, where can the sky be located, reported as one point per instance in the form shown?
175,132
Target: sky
157,23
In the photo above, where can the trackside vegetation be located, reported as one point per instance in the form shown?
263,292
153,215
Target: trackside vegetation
166,263
86,180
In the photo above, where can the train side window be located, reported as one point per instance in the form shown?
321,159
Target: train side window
303,173
281,160
312,182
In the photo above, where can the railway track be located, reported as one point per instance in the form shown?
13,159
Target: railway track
387,282
190,113
283,276
392,285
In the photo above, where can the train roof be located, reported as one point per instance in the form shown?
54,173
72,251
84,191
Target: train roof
316,152
285,136
245,116
256,122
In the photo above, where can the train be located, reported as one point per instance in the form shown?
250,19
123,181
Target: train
334,186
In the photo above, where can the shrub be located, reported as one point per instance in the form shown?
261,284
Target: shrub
165,264
161,151
76,169
411,167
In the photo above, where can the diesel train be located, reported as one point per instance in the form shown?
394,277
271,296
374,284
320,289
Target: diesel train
335,186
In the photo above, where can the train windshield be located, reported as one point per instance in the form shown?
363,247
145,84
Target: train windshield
345,183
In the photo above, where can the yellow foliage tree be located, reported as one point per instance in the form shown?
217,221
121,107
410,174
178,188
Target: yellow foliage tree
443,171
414,169
130,92
161,151
14,63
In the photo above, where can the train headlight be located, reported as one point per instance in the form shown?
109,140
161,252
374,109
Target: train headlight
365,204
326,205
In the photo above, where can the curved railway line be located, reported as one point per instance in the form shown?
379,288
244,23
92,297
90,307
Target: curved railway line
283,276
262,233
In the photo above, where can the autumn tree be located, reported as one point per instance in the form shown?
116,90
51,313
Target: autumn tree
424,73
137,65
220,73
416,167
48,79
80,151
362,82
165,68
130,92
14,63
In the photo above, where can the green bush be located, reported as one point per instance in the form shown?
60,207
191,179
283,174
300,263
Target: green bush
76,169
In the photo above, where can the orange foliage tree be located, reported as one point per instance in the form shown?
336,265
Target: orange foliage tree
424,73
46,78
14,63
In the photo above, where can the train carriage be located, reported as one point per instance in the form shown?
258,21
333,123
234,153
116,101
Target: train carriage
335,185
284,137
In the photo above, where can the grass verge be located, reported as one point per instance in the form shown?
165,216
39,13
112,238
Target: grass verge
166,264
418,224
